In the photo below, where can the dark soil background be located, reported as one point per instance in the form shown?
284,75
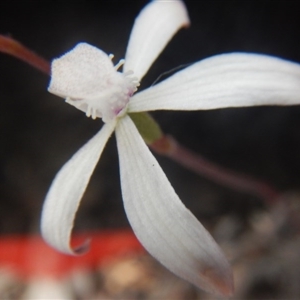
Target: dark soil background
39,133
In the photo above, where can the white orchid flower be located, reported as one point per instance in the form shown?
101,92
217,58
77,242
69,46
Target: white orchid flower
86,77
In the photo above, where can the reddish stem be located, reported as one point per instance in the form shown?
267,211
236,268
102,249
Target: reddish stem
169,147
14,48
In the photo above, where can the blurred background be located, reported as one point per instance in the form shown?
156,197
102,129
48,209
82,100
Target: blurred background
39,133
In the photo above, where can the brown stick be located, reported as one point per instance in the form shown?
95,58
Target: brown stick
14,48
167,146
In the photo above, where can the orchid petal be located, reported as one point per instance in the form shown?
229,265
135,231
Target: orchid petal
67,189
152,30
228,80
80,73
165,227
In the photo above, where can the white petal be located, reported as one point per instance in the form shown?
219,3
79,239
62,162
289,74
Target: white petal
165,227
67,189
152,30
80,73
228,80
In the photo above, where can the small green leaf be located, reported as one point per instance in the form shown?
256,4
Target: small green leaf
147,127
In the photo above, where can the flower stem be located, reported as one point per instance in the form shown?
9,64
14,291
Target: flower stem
167,146
14,48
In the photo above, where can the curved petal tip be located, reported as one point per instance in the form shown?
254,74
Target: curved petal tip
82,248
221,284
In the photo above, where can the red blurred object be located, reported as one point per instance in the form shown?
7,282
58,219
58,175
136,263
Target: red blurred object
30,256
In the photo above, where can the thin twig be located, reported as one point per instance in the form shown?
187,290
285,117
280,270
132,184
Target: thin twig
167,146
14,48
